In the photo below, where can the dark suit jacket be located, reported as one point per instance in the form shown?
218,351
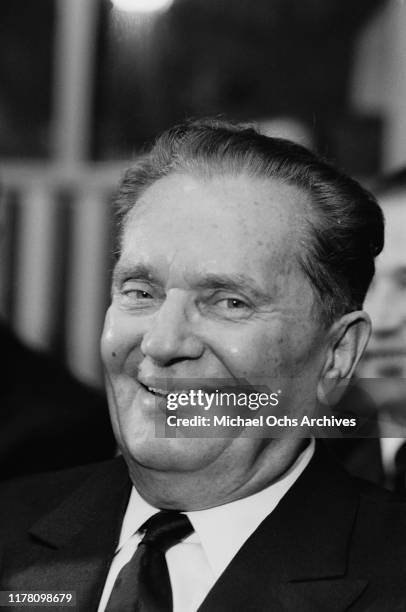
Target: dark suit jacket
359,451
330,545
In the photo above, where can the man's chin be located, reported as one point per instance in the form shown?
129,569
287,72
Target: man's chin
172,454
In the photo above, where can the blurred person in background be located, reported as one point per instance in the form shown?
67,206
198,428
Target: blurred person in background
385,356
48,419
380,391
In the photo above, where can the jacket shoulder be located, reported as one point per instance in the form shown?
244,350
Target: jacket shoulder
25,500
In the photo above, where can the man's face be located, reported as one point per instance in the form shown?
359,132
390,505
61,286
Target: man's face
208,288
386,300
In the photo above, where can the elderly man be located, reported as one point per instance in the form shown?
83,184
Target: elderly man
244,260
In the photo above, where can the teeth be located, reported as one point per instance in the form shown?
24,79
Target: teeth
157,391
163,392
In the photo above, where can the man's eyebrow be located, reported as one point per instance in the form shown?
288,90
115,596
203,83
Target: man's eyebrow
232,282
124,271
226,282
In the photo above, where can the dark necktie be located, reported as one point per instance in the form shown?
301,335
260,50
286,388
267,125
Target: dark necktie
143,584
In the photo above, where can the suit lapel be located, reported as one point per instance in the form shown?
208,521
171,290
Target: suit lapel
72,547
297,558
333,595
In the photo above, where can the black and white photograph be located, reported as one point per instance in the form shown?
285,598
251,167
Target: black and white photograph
203,305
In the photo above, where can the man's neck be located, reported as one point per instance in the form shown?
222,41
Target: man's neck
218,484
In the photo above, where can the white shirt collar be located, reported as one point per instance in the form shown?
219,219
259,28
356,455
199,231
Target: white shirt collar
222,530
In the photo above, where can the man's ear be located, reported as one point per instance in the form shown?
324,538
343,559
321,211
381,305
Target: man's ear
347,340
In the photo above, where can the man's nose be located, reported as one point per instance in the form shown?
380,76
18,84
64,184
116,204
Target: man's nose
170,336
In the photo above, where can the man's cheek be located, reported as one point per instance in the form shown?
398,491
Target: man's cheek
111,346
118,338
245,357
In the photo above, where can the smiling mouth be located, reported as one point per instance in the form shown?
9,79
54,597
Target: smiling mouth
154,390
163,393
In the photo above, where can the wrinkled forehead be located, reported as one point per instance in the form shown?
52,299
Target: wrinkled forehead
189,228
239,204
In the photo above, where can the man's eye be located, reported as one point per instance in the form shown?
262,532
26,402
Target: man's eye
139,294
136,296
134,292
232,307
234,303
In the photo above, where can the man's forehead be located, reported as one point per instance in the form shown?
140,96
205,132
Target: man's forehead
226,203
217,229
